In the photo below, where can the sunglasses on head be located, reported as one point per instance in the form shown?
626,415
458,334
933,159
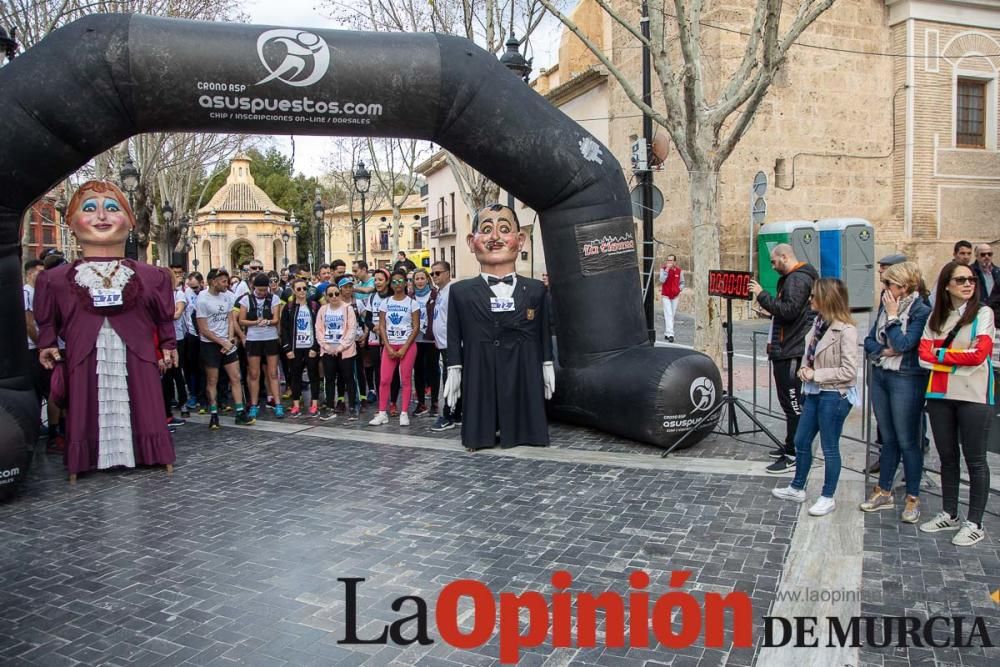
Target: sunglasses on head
964,280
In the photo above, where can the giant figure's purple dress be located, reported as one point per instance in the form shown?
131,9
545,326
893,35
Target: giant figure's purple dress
64,308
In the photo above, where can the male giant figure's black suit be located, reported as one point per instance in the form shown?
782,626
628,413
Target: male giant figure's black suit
502,355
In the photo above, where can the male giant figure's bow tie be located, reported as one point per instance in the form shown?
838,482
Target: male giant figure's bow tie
491,281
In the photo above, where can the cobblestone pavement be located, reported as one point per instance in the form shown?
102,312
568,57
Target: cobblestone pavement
235,559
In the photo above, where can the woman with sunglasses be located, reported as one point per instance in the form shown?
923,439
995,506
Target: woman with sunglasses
426,372
399,322
898,383
335,327
300,345
373,351
829,373
956,346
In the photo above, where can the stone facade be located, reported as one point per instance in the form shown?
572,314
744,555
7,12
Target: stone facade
344,236
847,134
240,219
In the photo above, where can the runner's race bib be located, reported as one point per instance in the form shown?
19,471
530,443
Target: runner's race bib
106,297
499,304
303,339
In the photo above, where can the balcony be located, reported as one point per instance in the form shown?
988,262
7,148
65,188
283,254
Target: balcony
444,226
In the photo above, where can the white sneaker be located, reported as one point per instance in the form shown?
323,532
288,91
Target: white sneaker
789,493
942,521
404,419
379,419
968,535
823,506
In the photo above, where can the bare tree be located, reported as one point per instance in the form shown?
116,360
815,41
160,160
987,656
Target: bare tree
704,130
486,22
344,157
169,164
394,164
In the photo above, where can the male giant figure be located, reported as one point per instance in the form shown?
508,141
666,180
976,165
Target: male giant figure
498,341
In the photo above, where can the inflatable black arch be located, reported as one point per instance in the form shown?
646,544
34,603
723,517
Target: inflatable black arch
104,78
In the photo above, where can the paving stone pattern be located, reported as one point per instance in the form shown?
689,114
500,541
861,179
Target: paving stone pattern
235,559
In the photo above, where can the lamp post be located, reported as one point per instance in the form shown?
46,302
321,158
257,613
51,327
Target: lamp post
167,213
129,177
61,208
516,63
284,238
318,212
193,243
362,182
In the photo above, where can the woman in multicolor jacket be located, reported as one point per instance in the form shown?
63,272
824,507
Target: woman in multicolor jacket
956,347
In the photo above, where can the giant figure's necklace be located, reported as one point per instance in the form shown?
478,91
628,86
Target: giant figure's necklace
106,279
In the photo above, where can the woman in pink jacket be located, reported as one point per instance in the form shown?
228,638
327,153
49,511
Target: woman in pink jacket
335,325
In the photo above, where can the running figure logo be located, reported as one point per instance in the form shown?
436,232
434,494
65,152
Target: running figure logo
305,59
702,394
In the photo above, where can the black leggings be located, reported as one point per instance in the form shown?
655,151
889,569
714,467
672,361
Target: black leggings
295,366
426,371
338,370
192,367
952,421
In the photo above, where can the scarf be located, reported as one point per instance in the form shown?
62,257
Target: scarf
819,330
893,363
424,291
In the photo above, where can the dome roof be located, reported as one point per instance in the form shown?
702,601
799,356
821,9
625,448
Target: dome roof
240,194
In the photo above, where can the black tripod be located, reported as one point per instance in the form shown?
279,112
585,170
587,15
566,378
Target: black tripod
729,401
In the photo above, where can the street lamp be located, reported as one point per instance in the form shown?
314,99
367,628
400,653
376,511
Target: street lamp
318,212
60,206
284,238
516,63
129,177
193,243
362,182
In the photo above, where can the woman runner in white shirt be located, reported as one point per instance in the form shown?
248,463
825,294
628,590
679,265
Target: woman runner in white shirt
399,322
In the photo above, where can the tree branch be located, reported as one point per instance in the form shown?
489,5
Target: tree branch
623,80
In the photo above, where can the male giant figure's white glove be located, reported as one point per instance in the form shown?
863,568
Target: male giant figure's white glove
549,378
453,386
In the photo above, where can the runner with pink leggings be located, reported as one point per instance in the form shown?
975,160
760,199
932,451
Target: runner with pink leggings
399,322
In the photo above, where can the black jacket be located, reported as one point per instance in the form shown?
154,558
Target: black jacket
289,317
790,313
501,354
984,296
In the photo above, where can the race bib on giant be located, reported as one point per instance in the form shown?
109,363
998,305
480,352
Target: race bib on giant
500,304
106,297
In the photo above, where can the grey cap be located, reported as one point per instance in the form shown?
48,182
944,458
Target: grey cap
889,260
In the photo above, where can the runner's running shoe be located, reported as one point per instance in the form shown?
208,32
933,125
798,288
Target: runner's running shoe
213,422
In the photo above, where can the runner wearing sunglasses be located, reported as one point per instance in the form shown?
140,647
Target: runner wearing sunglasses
300,346
399,322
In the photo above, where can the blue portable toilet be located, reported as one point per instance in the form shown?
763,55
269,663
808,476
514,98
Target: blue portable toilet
847,252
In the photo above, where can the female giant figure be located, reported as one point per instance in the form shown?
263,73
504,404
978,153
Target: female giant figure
113,314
